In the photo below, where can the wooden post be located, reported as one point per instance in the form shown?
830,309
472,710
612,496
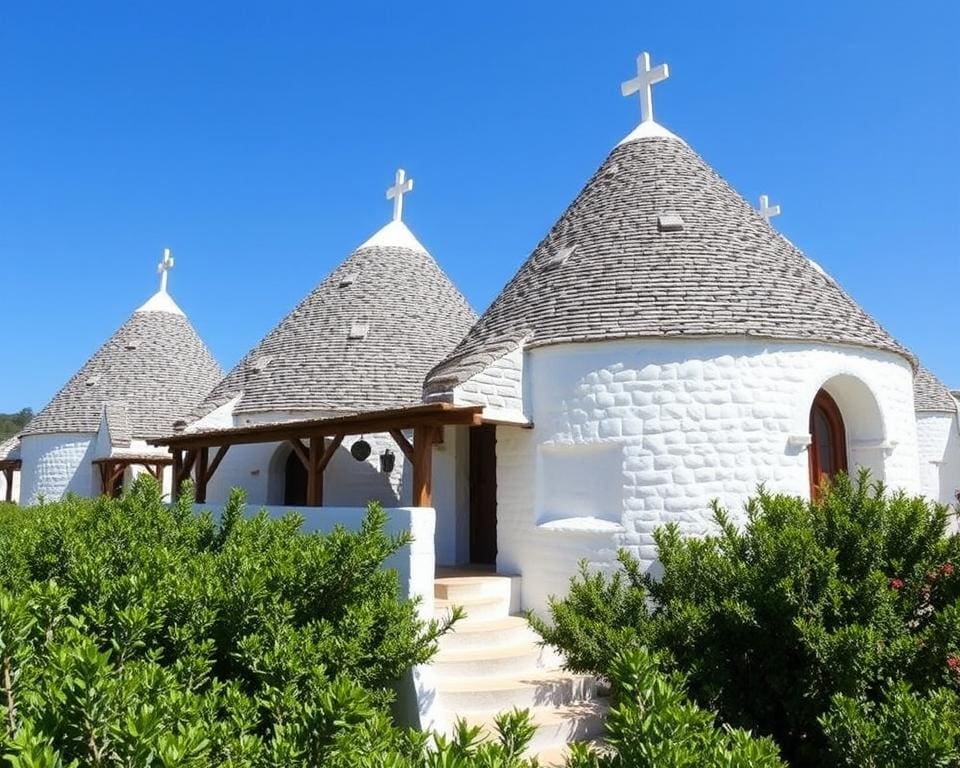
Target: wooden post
175,474
203,456
8,476
314,473
423,438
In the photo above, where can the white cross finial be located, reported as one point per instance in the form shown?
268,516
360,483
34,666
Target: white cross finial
766,210
401,186
643,84
165,265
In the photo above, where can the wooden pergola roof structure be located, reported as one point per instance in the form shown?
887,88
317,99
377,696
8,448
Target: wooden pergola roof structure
315,442
8,467
113,467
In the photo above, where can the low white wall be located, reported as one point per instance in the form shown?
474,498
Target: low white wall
657,429
939,439
53,465
415,565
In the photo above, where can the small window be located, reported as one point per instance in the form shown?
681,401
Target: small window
828,447
358,331
348,279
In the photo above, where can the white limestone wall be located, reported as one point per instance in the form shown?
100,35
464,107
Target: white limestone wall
53,465
630,435
938,437
415,566
260,470
499,387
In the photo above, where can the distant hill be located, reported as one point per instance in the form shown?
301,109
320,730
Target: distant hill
11,423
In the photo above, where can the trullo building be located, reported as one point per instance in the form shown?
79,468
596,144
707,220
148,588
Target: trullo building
362,340
91,437
664,346
938,438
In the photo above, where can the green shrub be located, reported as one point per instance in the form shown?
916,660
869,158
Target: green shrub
136,634
769,623
904,730
654,725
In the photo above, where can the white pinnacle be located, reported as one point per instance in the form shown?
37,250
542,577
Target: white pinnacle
397,191
165,265
766,210
643,84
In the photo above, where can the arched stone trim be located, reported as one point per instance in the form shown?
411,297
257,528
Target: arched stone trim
277,474
864,423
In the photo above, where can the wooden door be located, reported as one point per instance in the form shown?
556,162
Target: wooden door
828,446
483,494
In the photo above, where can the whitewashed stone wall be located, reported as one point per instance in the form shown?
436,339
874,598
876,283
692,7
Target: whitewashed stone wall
499,388
938,437
657,429
52,465
260,470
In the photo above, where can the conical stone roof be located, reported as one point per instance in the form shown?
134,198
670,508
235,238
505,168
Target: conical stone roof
659,245
931,394
362,340
153,370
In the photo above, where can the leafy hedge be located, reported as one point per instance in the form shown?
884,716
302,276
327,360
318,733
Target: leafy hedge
136,634
804,625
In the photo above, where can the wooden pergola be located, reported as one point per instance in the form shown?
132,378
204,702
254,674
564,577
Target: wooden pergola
316,441
113,467
8,467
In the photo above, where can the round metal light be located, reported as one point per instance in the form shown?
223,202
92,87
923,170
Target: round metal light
360,450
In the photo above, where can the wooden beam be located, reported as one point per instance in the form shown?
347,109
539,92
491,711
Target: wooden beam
314,473
8,475
301,450
175,474
221,452
329,452
432,414
423,438
402,443
203,456
186,466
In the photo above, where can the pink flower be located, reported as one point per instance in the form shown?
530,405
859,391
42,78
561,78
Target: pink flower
946,569
896,584
953,662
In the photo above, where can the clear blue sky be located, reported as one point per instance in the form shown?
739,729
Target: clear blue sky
256,140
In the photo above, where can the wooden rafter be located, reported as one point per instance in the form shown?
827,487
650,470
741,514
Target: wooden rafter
303,453
402,443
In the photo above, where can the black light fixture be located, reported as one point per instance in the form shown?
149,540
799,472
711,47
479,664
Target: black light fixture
388,460
360,450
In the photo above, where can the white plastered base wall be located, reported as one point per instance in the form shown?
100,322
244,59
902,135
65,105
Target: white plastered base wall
259,469
938,437
53,465
631,435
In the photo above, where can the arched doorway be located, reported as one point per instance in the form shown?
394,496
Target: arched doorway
295,482
828,447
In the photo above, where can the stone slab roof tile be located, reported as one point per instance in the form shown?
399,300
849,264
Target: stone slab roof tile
413,317
155,365
931,394
726,272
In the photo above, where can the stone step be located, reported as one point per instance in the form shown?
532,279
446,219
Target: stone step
480,608
556,756
496,659
554,687
508,630
456,588
555,726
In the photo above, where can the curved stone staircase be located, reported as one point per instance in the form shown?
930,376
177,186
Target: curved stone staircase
491,662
